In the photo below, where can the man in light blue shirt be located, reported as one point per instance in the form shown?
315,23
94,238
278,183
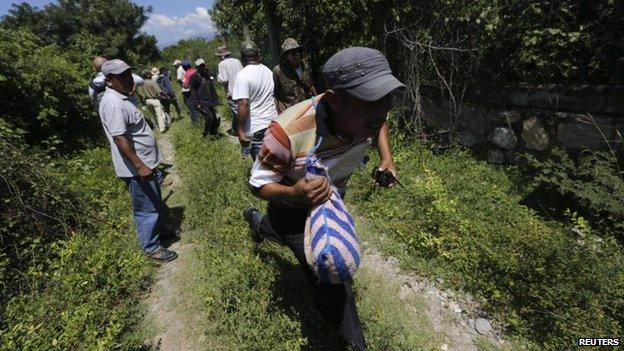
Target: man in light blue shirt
135,156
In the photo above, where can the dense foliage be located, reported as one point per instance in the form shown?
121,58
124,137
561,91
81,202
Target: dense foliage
44,92
110,27
70,270
45,65
559,41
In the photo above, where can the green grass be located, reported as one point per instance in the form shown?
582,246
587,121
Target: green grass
85,293
461,219
261,300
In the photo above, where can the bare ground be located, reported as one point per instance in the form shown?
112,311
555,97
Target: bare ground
167,319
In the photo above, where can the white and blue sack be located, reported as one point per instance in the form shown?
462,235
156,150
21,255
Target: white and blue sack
331,245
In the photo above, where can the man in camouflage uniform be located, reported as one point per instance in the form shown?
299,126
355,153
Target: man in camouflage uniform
292,77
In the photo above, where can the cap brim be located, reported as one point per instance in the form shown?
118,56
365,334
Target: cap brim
119,70
377,88
300,48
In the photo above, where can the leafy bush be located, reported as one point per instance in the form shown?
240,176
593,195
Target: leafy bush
70,270
593,187
44,93
461,219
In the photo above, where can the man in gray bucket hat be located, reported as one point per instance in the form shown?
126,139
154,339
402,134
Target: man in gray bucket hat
342,122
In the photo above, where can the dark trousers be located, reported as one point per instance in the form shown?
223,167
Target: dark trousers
212,122
335,302
167,105
187,101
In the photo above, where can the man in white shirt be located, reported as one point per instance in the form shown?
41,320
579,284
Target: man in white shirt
228,69
179,71
253,92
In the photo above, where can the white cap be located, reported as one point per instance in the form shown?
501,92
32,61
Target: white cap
177,62
199,62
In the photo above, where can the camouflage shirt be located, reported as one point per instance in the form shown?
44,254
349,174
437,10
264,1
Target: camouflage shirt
289,90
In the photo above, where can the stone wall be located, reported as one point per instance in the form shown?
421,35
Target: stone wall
511,120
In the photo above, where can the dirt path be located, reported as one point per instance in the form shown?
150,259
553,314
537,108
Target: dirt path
166,320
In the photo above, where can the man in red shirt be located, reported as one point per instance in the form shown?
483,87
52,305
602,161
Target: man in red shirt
186,90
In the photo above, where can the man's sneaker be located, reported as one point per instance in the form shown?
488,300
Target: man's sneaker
253,217
163,255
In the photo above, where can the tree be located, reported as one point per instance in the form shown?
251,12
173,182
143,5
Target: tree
113,26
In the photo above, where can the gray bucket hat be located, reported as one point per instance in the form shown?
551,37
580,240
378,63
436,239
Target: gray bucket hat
289,44
362,72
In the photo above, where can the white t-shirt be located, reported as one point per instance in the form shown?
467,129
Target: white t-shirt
255,82
228,69
180,73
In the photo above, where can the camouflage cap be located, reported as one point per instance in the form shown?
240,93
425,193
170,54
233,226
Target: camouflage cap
249,49
289,44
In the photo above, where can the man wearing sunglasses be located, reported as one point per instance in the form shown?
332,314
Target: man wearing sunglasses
292,77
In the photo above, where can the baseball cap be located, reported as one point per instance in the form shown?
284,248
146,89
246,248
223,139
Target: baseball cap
155,70
362,72
249,48
177,62
115,66
199,62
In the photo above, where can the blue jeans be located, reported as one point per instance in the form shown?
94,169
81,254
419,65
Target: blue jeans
256,143
148,211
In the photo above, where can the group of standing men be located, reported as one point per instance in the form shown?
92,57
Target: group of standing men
279,118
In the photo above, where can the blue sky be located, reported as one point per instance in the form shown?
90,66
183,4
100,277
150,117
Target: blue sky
170,20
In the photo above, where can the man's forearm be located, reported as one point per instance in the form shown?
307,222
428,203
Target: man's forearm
243,114
274,192
127,149
383,143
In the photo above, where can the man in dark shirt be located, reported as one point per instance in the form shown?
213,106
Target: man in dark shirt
204,97
292,77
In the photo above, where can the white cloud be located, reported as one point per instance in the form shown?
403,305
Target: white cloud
169,30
